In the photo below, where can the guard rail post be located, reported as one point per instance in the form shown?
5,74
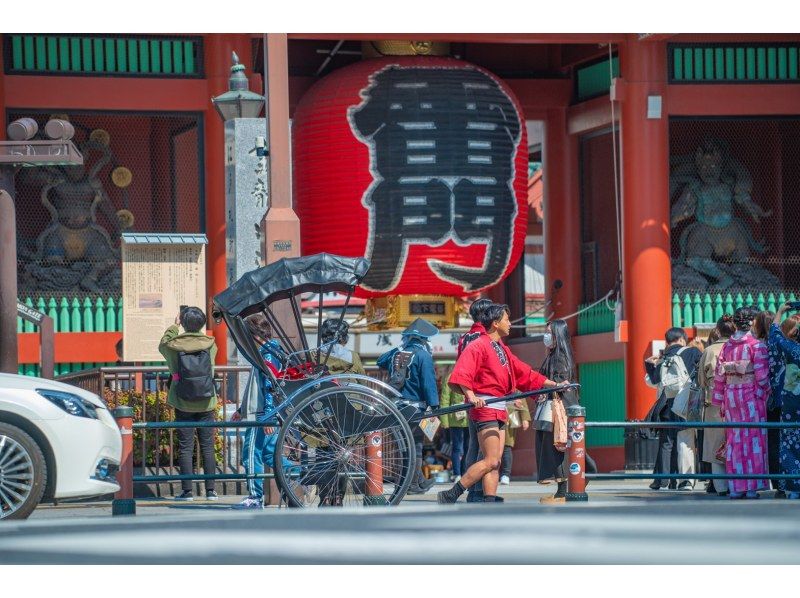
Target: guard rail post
576,454
373,484
123,503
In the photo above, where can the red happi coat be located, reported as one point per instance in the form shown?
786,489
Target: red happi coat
476,331
489,369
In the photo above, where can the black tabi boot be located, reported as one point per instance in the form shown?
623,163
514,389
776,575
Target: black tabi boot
489,498
561,492
447,497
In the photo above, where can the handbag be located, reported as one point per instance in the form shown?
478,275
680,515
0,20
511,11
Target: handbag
559,425
680,405
721,453
544,411
514,420
696,403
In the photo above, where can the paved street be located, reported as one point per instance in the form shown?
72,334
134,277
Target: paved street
622,523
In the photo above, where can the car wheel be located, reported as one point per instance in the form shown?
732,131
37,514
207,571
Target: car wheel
23,473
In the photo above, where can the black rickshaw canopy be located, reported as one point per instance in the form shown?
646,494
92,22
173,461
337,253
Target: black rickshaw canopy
273,291
291,276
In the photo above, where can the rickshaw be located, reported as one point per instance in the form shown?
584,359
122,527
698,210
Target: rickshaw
344,439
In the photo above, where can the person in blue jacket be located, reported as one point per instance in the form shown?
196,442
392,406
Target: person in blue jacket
412,372
258,449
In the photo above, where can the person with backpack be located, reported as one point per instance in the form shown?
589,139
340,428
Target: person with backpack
192,393
411,371
669,373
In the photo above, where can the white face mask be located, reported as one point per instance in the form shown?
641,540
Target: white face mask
547,339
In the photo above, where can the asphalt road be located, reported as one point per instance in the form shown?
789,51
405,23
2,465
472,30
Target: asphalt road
622,524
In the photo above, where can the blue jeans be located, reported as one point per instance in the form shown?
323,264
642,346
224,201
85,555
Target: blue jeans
457,438
258,451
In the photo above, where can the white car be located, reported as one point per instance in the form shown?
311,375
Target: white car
56,441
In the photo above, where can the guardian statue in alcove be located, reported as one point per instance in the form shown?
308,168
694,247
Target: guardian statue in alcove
717,248
75,252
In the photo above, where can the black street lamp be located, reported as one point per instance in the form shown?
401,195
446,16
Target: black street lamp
238,101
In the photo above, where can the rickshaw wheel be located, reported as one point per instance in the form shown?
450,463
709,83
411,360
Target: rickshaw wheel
347,446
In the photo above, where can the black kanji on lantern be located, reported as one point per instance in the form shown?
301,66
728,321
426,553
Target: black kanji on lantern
442,148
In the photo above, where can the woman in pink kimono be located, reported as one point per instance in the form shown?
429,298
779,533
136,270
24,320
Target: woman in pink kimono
741,389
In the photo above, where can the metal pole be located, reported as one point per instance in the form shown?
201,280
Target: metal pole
373,485
47,340
8,273
576,453
123,503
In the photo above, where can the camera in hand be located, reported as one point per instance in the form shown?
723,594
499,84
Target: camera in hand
794,305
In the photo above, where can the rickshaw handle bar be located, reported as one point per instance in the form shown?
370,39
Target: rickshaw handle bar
685,425
511,397
214,424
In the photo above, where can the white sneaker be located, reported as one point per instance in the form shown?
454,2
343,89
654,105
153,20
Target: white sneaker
505,480
250,502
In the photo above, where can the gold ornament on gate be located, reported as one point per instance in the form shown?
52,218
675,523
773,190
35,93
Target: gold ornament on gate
374,49
125,219
100,136
121,177
423,48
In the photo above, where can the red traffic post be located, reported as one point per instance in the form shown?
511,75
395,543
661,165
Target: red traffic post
373,485
123,503
576,454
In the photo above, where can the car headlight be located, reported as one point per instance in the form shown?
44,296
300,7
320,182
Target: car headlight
72,404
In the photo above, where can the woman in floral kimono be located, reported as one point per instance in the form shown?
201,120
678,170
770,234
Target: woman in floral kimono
784,358
741,388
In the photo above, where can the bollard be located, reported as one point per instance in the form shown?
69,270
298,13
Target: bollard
576,454
123,503
373,484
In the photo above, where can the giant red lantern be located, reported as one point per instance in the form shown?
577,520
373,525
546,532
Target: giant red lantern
419,164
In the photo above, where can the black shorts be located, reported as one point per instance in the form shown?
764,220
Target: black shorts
492,423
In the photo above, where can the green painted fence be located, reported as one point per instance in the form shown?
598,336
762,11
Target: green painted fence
691,308
115,55
728,62
73,315
598,318
603,395
602,383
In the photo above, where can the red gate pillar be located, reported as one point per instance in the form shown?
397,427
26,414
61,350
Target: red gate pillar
562,219
217,51
647,279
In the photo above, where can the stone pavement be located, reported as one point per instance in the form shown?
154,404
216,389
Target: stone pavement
631,492
623,523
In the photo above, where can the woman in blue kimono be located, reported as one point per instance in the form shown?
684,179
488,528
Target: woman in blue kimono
784,362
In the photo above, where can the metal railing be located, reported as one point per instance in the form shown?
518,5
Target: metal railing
577,453
144,388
